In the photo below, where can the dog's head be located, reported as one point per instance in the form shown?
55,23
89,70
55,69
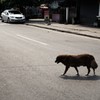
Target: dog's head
59,59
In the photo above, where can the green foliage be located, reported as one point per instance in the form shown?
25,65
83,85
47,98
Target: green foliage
13,3
24,2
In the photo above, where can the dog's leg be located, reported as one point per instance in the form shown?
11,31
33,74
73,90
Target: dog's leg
93,70
88,71
77,71
66,69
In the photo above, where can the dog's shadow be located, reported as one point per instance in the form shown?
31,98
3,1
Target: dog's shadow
92,78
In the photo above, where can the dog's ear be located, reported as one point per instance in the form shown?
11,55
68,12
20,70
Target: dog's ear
66,60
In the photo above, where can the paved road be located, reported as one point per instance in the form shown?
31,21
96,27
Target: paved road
28,71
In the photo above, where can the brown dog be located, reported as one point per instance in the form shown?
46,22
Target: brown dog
76,61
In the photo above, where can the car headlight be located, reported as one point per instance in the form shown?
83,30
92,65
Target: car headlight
23,17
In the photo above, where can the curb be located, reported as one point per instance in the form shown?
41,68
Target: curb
70,32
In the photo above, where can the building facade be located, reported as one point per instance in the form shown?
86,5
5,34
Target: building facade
80,11
85,11
89,10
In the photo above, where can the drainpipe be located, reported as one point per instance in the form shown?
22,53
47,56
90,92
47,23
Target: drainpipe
98,17
78,11
99,9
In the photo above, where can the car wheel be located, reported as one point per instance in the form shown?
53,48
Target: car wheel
2,19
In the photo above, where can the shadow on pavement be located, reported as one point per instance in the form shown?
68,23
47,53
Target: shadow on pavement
95,77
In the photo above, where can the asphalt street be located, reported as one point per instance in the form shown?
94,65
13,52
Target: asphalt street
28,70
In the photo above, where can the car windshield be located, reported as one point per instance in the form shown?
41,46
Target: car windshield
14,12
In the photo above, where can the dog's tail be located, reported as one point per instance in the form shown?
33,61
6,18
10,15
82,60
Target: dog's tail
94,64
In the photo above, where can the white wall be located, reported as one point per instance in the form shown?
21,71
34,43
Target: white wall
99,9
66,15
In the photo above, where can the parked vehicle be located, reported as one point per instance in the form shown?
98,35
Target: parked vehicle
12,16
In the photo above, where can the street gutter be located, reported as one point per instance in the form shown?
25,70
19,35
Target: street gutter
65,31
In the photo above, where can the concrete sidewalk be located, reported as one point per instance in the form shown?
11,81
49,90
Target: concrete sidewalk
92,32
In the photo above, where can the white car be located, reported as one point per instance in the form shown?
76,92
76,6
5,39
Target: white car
12,16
